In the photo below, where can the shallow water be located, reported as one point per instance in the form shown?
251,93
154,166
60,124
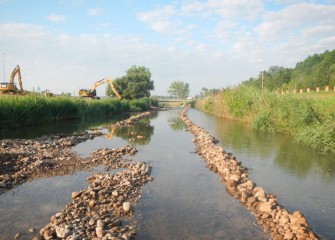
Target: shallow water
301,178
186,200
31,204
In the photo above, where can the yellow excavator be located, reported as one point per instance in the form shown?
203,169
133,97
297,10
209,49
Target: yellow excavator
92,93
10,87
47,93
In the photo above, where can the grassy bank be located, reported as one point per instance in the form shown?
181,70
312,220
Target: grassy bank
16,111
308,119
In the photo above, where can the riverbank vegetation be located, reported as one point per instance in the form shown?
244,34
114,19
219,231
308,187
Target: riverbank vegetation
316,71
18,111
310,120
298,101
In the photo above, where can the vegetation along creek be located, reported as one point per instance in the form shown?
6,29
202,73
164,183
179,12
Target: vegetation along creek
166,120
181,198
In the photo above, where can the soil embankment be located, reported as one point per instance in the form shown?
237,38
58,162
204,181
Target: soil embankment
268,212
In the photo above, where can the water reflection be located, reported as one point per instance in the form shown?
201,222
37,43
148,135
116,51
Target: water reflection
301,161
141,132
301,178
67,127
292,157
176,124
142,128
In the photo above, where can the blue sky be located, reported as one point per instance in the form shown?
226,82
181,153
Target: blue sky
65,45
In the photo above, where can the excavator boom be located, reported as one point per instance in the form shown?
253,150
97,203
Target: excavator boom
92,92
114,90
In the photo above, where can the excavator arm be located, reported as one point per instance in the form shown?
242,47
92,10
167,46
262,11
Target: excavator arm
113,89
12,76
98,83
91,92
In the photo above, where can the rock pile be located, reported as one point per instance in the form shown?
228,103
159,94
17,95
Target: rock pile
21,160
274,218
98,211
130,121
112,158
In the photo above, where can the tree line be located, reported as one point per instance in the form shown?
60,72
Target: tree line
317,70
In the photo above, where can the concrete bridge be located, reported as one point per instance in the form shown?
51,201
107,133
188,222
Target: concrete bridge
168,102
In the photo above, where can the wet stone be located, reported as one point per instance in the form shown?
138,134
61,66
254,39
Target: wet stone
260,204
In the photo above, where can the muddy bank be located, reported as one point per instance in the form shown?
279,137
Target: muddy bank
274,218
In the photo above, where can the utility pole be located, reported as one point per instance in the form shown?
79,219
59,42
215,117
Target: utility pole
262,81
3,63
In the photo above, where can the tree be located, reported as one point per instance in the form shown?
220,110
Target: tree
317,70
135,84
207,92
179,89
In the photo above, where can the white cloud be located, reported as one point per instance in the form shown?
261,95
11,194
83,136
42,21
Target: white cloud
224,28
194,7
160,20
56,18
94,11
244,9
209,44
294,19
318,31
61,62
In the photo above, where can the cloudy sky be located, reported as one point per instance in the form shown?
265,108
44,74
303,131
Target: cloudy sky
65,45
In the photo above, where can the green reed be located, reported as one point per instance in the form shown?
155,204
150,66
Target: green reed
17,111
298,115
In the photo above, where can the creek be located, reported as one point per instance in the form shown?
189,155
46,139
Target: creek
186,200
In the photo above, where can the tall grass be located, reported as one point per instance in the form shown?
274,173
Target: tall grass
319,136
298,115
16,111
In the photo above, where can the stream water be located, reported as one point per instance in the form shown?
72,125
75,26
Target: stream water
186,200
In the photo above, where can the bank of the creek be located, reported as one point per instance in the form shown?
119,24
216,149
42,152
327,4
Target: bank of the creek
144,179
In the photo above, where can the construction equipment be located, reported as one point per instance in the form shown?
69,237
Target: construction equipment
91,93
10,87
110,134
47,93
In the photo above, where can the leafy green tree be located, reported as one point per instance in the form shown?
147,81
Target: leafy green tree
317,70
207,92
135,84
179,90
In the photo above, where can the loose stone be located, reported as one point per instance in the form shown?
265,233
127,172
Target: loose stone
264,206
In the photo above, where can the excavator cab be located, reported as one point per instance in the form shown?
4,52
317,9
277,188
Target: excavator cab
86,93
7,88
47,93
